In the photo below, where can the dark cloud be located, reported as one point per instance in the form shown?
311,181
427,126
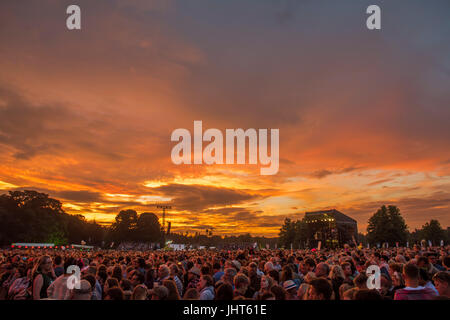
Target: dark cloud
79,196
199,197
378,182
324,172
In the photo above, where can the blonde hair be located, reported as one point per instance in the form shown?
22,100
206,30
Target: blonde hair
336,272
310,276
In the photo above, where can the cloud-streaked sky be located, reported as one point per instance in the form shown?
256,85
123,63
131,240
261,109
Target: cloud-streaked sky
86,116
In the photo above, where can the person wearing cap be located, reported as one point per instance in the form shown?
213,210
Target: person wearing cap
291,289
83,293
193,277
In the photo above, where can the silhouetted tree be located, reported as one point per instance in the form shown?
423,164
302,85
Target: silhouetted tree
30,216
148,227
387,225
432,231
125,226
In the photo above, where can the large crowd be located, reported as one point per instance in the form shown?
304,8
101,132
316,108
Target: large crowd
328,274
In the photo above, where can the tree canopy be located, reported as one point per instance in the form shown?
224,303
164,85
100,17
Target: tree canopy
387,225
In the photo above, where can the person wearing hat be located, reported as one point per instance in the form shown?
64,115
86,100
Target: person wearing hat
193,277
291,289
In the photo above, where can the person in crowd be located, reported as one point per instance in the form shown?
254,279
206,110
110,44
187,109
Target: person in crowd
137,278
254,278
218,272
291,290
139,292
348,273
360,281
337,279
159,292
224,292
193,277
96,295
174,272
241,283
442,283
191,294
59,266
266,285
413,291
206,287
163,273
424,263
349,294
320,289
322,270
114,293
425,280
84,292
344,287
288,274
117,273
446,263
278,292
228,276
19,288
367,294
127,288
173,291
42,277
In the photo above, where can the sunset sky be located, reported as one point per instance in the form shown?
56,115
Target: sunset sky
364,116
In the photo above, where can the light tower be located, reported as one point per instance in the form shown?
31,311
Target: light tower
164,207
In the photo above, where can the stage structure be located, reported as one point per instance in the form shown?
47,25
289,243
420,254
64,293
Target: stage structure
331,227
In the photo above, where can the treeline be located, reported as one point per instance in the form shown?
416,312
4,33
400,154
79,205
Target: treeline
210,240
30,216
386,225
